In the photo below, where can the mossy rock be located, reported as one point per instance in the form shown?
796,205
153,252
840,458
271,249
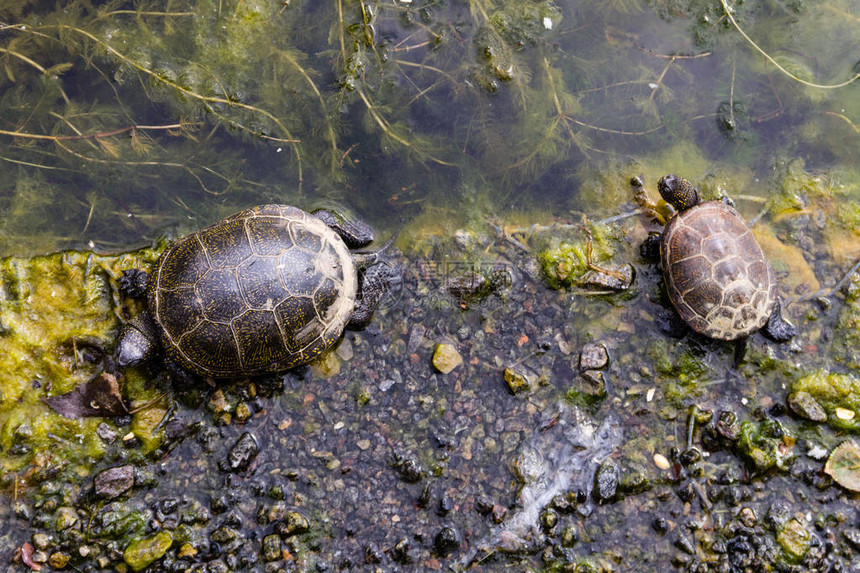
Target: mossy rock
142,553
59,316
833,390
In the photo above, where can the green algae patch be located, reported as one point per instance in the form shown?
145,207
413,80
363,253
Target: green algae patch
565,262
765,446
59,319
838,394
142,553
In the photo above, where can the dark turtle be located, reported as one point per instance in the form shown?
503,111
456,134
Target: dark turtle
716,274
265,290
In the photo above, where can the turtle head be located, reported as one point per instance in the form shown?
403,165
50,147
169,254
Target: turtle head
678,192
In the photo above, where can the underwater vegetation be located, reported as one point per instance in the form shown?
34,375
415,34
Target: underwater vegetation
144,118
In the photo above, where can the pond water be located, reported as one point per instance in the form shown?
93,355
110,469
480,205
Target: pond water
496,140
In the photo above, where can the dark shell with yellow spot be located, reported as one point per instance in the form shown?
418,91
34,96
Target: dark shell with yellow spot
265,290
716,273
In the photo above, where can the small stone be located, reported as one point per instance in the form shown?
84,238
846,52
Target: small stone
218,402
243,413
294,523
41,540
410,470
66,518
593,383
747,516
606,481
548,520
569,536
107,433
224,534
113,482
593,356
794,538
805,406
852,536
243,452
662,462
363,444
499,513
446,357
447,541
186,550
142,553
845,414
517,383
272,547
58,560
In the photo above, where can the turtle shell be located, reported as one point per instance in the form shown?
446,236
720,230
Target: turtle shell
715,272
265,290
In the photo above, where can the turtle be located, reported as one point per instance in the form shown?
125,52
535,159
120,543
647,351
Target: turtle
716,274
265,290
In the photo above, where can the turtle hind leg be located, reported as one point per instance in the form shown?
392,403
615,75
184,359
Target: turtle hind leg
139,341
375,283
777,328
650,247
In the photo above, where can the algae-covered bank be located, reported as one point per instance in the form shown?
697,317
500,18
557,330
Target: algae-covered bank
526,396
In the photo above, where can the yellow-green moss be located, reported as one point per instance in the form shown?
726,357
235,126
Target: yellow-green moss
58,316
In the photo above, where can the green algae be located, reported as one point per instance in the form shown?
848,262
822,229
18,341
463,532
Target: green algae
765,446
565,262
834,390
60,315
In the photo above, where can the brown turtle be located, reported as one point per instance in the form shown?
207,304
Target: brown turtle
265,290
715,272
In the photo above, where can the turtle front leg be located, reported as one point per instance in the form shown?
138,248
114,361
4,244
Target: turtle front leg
777,328
374,284
133,283
138,342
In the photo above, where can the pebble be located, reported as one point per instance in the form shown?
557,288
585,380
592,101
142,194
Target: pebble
593,356
294,523
447,541
517,383
272,547
113,482
845,414
446,357
58,560
593,383
606,481
41,540
805,406
142,553
243,452
662,462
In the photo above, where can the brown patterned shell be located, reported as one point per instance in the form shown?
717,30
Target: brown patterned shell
716,273
265,290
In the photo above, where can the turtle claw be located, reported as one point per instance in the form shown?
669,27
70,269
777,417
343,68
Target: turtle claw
777,328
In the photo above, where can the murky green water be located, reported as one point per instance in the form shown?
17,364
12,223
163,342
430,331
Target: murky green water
484,133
